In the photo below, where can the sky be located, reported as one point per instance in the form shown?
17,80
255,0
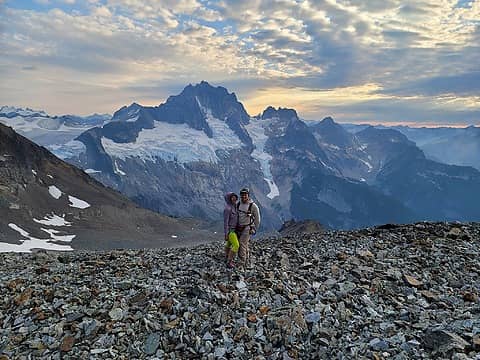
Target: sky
376,61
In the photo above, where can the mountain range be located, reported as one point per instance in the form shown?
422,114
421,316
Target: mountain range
48,203
180,157
56,133
450,145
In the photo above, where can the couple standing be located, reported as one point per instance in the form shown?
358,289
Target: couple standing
241,220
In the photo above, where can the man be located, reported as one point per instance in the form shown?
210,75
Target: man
248,222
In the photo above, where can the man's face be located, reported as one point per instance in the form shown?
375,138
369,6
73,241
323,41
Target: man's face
244,197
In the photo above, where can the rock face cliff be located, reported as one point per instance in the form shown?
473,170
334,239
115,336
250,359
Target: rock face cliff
405,292
47,203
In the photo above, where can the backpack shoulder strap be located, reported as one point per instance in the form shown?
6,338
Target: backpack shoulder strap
252,215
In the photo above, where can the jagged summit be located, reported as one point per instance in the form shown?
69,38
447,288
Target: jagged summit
196,106
281,113
329,132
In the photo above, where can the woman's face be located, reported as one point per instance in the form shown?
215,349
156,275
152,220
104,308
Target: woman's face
233,199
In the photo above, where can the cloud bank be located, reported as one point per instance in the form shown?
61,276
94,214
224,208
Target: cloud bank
383,61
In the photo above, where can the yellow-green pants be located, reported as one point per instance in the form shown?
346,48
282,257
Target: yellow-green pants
232,242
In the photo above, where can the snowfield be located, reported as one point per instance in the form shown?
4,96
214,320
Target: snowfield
177,142
256,130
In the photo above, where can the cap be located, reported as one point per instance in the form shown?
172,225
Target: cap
244,191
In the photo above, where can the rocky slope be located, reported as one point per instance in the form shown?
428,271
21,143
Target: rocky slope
400,292
47,203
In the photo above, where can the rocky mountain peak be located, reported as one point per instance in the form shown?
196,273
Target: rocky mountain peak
329,132
204,89
384,135
196,104
328,121
127,112
280,113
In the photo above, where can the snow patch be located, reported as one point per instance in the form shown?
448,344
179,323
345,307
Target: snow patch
34,172
53,220
327,166
256,130
53,236
91,171
54,191
77,203
50,176
174,236
370,167
117,169
34,243
274,192
133,119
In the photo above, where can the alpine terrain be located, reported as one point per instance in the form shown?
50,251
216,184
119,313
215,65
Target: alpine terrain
47,203
180,157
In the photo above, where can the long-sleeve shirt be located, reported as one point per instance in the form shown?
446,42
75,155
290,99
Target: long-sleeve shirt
244,219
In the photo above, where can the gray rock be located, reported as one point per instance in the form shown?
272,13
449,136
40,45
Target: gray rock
207,336
220,352
313,317
443,341
378,344
151,344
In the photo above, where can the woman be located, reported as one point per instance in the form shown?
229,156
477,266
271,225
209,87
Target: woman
230,222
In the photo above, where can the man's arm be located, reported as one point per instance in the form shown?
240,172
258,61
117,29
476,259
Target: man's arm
256,214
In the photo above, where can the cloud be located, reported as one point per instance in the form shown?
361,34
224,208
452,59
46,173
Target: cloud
391,52
463,84
102,11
